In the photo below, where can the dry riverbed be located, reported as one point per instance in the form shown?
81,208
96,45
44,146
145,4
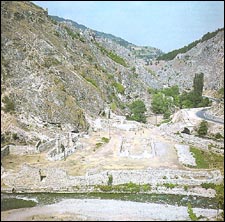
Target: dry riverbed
109,210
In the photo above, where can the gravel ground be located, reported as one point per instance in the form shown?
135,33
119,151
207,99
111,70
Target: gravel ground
108,210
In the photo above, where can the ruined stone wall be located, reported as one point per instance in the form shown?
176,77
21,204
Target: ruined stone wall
29,178
47,145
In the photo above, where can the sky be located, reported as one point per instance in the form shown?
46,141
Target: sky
166,25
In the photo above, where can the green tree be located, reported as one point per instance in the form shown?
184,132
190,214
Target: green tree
138,109
203,128
194,98
110,180
161,104
198,84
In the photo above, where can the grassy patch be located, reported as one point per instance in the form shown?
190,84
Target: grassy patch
119,87
207,160
169,185
125,188
185,187
191,214
208,185
74,35
113,106
117,58
112,55
97,145
105,140
92,81
153,73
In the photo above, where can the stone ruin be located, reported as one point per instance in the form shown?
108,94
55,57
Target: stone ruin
61,147
142,148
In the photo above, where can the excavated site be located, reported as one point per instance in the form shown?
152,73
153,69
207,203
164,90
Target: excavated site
127,151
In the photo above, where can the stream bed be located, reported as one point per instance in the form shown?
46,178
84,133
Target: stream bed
24,200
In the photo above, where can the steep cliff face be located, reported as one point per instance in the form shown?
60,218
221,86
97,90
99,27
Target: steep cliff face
206,57
54,75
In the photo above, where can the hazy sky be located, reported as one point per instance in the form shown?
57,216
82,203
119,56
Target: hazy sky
166,25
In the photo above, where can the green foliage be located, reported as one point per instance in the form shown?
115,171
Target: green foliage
167,114
164,100
199,158
71,33
97,145
14,136
112,55
203,128
74,35
218,136
220,92
110,180
208,185
198,84
171,55
169,185
194,98
117,58
113,106
56,34
191,214
92,81
185,187
206,159
146,187
152,91
105,140
171,91
133,69
9,106
161,103
126,188
11,138
220,195
153,73
137,109
119,87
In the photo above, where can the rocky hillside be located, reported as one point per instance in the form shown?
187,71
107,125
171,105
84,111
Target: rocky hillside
142,52
55,75
207,57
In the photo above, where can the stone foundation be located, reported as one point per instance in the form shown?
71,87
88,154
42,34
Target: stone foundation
29,178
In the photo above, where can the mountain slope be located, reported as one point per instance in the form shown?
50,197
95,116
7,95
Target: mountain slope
143,52
207,56
56,76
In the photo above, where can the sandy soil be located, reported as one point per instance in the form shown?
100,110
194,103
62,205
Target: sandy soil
107,210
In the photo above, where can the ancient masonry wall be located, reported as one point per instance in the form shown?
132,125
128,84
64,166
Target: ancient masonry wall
49,179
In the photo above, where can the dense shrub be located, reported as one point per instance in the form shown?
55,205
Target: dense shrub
119,87
137,109
203,128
